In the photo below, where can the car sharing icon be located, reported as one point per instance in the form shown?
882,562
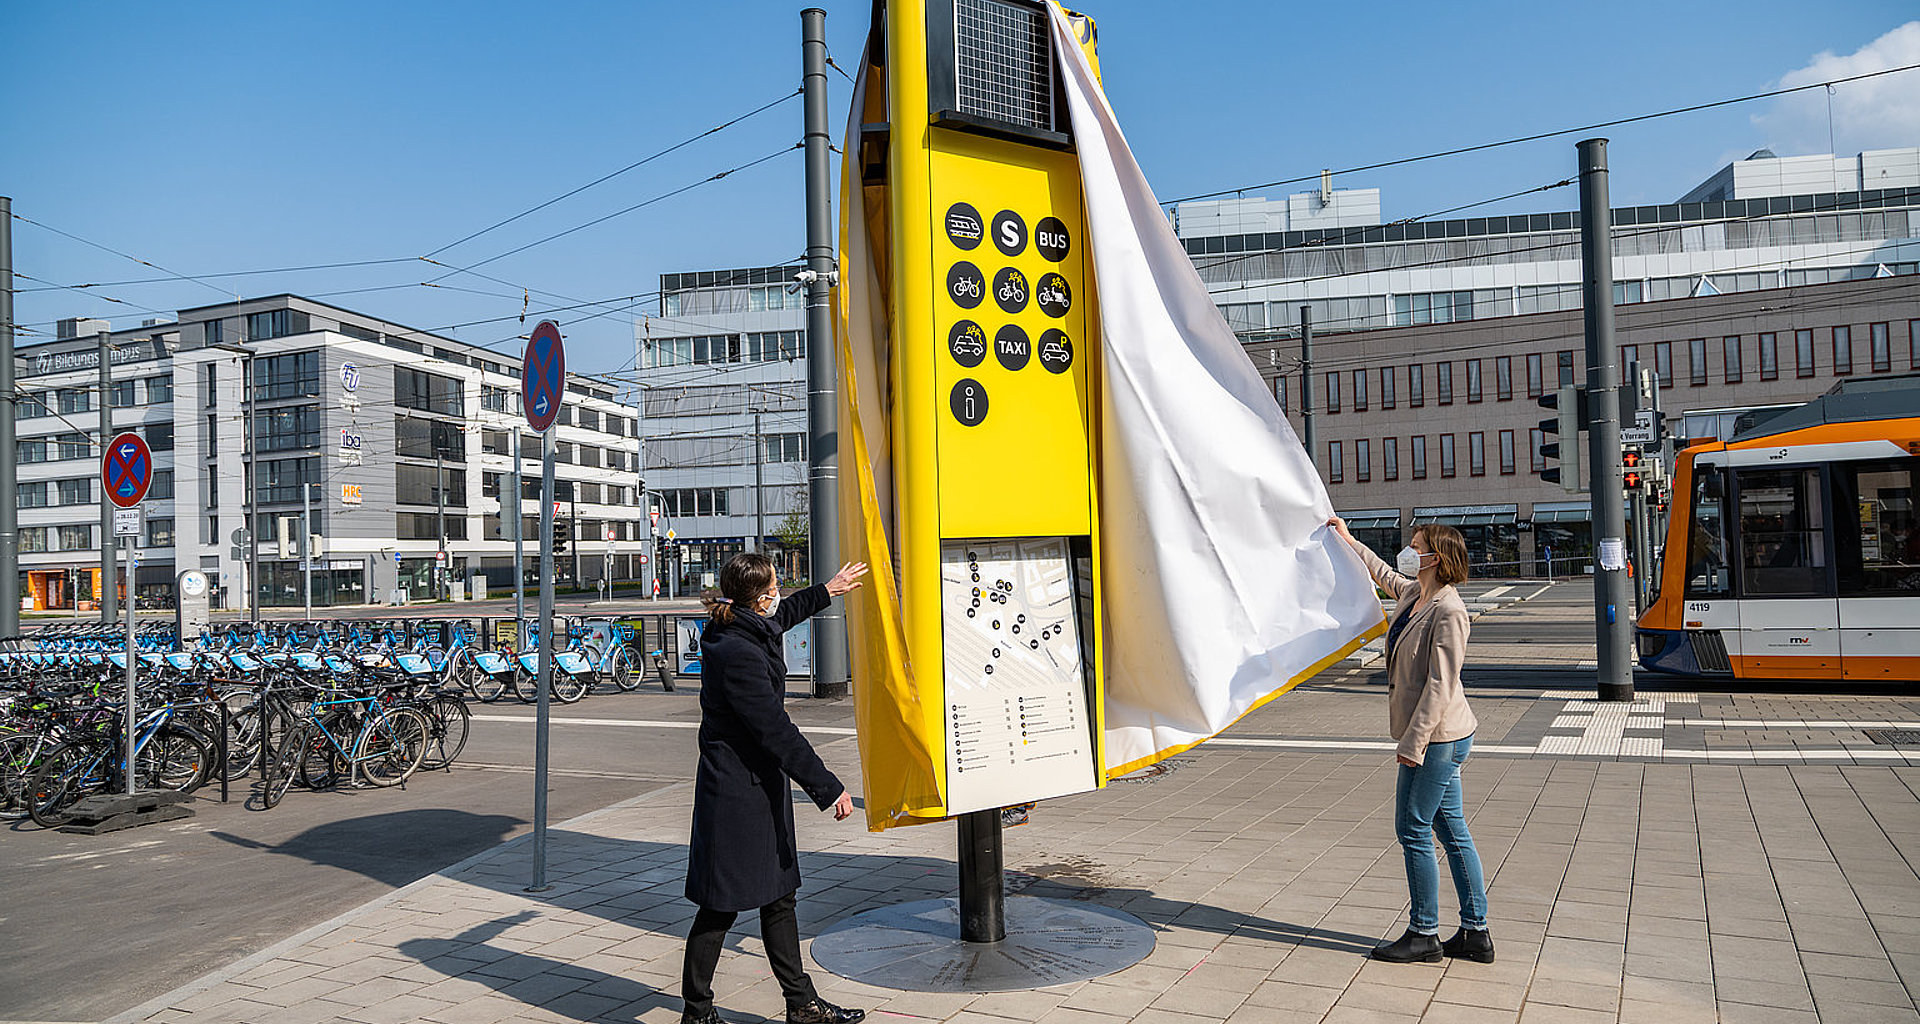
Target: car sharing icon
543,376
127,470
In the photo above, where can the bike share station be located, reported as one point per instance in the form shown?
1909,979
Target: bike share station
994,390
126,472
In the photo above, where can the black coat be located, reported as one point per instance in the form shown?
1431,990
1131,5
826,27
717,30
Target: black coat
742,852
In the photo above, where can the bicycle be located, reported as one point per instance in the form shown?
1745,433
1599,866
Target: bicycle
350,736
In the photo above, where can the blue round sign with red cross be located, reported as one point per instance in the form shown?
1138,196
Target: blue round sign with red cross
127,470
543,376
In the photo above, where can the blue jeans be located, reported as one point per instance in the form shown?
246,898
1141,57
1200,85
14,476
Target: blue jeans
1426,800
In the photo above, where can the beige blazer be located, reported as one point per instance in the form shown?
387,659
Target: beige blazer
1425,702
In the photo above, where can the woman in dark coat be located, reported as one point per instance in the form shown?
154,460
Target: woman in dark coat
742,853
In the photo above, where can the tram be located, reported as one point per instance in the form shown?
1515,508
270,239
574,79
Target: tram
1793,548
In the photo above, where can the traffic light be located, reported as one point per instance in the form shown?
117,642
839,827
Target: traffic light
666,551
562,535
1632,476
1565,427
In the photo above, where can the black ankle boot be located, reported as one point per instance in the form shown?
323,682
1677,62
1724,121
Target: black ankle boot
822,1012
1412,947
1470,944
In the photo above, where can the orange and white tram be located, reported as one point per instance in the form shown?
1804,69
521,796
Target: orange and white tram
1793,549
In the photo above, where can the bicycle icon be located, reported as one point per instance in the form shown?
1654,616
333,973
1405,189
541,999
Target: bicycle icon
1012,290
966,288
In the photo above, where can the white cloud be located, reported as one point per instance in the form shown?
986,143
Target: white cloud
1877,113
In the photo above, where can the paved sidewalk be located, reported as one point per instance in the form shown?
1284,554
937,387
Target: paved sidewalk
1623,887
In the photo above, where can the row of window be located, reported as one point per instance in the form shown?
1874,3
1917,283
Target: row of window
500,442
693,501
76,445
1383,383
1844,355
708,349
506,400
1445,446
579,492
81,538
122,394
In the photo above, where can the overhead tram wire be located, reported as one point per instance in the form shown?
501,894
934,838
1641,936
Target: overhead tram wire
690,140
1457,151
122,255
48,286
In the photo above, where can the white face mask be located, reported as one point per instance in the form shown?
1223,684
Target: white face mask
769,602
1408,562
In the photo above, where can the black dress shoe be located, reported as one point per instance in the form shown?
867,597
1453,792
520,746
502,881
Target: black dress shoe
709,1017
1470,944
1412,947
822,1012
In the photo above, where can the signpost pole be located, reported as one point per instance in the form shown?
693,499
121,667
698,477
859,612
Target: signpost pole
105,598
519,545
306,543
132,661
545,661
983,886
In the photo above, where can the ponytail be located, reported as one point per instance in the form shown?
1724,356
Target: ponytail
719,609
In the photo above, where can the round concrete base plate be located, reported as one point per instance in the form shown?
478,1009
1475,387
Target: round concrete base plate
917,946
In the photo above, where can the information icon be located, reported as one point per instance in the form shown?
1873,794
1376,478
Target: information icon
969,402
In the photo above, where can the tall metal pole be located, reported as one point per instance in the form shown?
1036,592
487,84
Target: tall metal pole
759,484
133,661
442,565
831,675
306,544
1612,596
109,607
545,660
983,878
519,545
1306,382
252,470
9,478
650,548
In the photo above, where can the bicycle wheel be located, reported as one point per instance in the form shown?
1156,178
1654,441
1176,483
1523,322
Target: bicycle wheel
243,744
20,754
567,687
448,720
390,746
622,671
177,759
485,686
316,760
69,772
284,767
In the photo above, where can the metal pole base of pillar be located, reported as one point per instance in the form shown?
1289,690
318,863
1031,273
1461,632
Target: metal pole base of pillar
1616,691
916,947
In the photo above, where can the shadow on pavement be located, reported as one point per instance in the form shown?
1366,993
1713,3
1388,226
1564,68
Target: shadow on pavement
389,848
638,884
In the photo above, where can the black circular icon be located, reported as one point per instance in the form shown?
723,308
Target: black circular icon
969,402
1050,237
1053,295
968,343
1056,352
965,285
1010,290
1009,232
1011,347
963,225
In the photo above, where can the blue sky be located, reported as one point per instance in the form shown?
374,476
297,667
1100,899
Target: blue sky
215,137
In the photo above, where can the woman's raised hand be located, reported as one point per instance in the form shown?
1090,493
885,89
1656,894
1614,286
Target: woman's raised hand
848,578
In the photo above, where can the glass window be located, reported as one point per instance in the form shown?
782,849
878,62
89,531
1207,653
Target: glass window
415,485
159,533
1333,391
1390,458
1536,384
1769,358
162,486
1443,382
1477,453
31,450
1363,460
1538,459
428,392
283,481
1446,455
72,400
1419,456
1697,362
1503,378
1360,391
1880,348
159,389
1280,391
1707,571
1336,463
1663,362
1416,385
76,492
1473,380
1629,355
1913,344
1730,357
1565,362
74,446
120,394
273,323
1803,353
210,384
426,439
1877,542
495,399
1842,351
1506,453
76,538
1386,387
33,538
1782,526
288,428
31,404
31,494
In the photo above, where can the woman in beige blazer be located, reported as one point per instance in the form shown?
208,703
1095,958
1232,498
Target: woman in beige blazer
1428,716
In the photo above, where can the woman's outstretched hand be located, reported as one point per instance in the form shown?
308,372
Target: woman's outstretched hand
843,807
848,578
1340,527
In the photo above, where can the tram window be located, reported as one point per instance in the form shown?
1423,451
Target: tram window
1781,529
1877,545
1707,571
